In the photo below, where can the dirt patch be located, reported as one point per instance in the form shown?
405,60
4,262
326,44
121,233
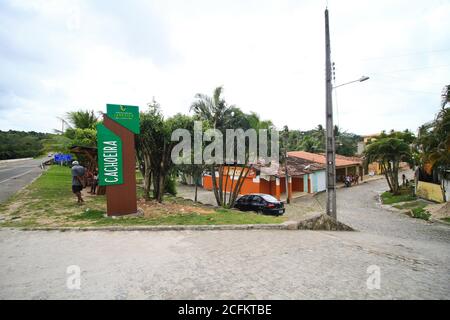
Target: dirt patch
153,209
439,210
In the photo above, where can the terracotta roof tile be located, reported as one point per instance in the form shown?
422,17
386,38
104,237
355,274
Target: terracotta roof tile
341,161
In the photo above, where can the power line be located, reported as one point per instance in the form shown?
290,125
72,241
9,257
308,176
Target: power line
412,69
408,79
405,55
414,91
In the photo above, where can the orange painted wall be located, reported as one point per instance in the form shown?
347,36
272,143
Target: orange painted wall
264,186
297,184
275,190
248,186
282,185
207,182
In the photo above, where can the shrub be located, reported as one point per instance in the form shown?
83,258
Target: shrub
389,198
420,213
171,186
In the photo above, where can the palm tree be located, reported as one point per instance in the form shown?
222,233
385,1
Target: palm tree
389,152
433,143
82,119
212,109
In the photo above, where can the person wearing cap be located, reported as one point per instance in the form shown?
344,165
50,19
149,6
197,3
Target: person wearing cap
77,180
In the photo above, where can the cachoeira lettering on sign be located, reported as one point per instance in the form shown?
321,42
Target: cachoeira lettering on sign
110,161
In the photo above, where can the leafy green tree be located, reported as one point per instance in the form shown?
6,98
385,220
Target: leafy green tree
57,143
309,144
407,136
346,143
151,124
20,144
314,141
389,152
433,142
85,137
154,148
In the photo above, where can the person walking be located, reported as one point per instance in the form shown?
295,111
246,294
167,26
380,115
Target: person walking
94,181
77,180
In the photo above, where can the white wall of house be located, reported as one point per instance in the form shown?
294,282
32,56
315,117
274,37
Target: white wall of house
319,181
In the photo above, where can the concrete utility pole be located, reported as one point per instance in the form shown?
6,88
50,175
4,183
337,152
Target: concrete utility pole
286,175
330,145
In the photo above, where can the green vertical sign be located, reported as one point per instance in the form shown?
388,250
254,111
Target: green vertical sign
110,164
126,116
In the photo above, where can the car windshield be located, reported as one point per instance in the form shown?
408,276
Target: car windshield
268,197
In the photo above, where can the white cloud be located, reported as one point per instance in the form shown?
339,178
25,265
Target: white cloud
59,55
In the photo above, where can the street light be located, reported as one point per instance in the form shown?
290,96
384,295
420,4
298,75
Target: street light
330,138
363,78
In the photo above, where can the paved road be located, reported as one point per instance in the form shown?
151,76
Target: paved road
15,175
413,258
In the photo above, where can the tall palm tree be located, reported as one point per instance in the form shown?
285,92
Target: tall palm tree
82,119
389,152
212,109
434,141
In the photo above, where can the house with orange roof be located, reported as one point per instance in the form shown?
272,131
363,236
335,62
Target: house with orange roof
304,176
344,165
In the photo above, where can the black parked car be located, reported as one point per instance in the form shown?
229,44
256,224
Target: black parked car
260,202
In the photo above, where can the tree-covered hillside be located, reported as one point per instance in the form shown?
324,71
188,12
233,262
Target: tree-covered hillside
21,144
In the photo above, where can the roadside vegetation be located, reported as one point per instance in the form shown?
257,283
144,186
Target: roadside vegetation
402,196
389,150
20,144
49,202
407,202
420,213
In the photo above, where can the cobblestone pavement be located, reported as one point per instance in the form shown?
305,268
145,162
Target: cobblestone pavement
413,257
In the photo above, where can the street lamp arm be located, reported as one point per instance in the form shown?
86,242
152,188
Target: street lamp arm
363,78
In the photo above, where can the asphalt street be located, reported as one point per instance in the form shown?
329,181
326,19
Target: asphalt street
16,175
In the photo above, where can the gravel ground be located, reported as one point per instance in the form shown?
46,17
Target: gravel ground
413,257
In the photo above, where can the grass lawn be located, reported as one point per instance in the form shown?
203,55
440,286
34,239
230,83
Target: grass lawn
49,202
415,207
412,204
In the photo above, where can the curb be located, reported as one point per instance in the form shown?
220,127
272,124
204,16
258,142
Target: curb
406,212
439,221
287,225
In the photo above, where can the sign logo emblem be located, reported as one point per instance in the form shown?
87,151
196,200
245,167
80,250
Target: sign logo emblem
126,116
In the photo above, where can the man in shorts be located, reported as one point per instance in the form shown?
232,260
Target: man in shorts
77,180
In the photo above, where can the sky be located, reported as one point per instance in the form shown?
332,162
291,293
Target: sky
58,56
